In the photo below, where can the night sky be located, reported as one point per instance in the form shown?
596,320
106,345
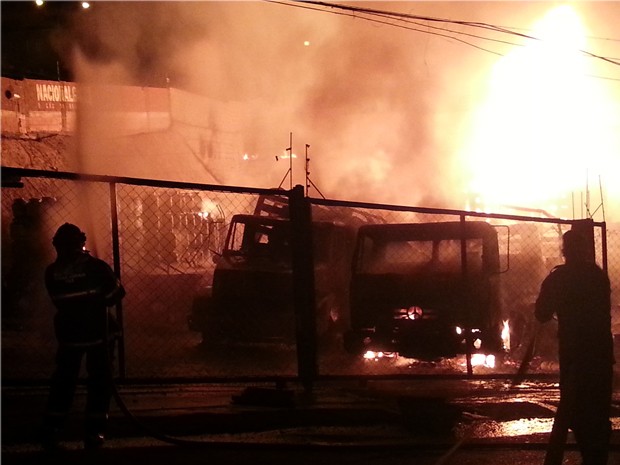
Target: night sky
30,39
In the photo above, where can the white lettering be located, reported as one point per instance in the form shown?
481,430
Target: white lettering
56,93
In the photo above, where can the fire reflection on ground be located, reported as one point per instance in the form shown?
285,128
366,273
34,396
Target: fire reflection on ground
513,428
481,363
477,360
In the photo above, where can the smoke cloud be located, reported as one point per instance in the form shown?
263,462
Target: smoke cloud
384,109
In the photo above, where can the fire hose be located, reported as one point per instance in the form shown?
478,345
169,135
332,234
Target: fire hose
517,379
559,431
111,342
149,431
174,440
527,358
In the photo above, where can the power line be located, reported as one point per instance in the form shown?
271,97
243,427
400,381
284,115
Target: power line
407,18
503,29
352,15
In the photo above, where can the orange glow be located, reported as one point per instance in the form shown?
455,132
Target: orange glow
482,360
285,156
375,356
545,125
506,335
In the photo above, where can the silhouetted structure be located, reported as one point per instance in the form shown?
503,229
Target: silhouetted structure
578,294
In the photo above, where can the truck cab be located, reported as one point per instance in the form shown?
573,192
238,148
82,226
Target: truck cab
425,290
251,295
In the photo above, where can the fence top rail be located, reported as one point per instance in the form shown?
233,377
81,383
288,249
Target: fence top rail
34,173
444,211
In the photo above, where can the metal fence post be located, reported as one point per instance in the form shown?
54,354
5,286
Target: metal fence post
117,270
605,264
466,297
303,286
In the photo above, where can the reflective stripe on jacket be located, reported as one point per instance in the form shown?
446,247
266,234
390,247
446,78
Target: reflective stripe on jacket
81,289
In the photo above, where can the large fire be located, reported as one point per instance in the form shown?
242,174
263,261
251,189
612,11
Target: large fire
546,126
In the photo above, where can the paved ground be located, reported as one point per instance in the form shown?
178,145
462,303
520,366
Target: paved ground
465,422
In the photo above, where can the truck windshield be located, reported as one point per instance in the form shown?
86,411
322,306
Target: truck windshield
432,256
259,240
272,240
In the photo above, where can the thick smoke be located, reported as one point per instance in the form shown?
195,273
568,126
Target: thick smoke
384,109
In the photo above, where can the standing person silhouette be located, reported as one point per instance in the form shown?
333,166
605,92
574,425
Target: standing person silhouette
578,294
82,288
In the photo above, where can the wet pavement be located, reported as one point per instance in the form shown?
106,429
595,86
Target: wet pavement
412,421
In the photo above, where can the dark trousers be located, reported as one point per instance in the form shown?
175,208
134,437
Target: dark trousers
590,420
64,382
585,406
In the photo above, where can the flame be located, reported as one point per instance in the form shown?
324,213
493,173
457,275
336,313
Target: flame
375,356
546,123
482,360
506,335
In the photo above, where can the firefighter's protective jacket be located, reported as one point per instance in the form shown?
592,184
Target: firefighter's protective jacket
82,289
579,295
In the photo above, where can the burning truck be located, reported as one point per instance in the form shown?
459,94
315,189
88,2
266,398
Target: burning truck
251,296
426,290
419,290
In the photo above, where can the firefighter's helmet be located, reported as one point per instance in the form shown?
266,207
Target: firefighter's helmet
69,236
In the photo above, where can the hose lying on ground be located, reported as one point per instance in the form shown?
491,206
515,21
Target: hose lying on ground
516,380
527,358
111,338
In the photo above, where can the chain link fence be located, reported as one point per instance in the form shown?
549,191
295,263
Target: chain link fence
166,241
527,250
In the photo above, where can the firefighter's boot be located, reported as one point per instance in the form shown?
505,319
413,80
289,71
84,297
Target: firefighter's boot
94,431
50,432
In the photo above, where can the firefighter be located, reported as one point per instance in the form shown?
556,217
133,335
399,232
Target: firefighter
578,294
82,288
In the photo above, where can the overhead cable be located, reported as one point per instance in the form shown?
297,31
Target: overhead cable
355,11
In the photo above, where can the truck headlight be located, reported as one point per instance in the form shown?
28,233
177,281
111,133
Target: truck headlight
410,313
